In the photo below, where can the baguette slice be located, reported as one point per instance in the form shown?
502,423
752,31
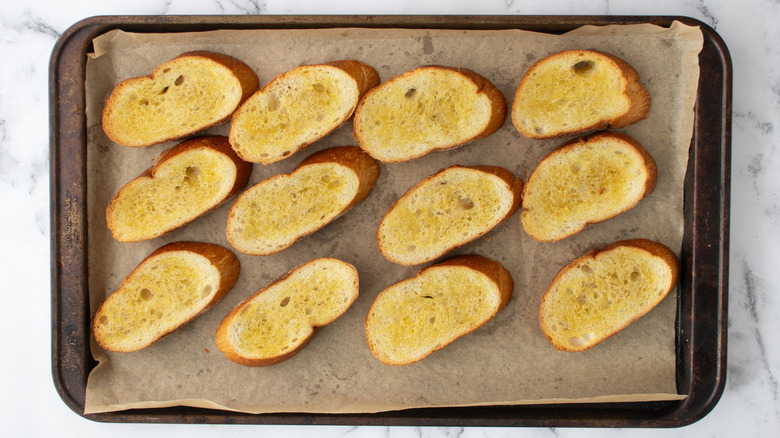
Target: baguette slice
578,91
420,315
586,181
275,213
602,292
279,320
187,181
446,210
192,92
169,288
297,108
427,109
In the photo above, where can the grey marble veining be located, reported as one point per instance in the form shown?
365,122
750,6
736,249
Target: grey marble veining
29,30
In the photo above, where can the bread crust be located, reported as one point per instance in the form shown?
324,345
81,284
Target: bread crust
220,257
221,335
649,164
515,185
494,270
484,86
365,168
654,248
214,142
243,73
638,96
365,77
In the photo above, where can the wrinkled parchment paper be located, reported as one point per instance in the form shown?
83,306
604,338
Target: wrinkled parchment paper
507,361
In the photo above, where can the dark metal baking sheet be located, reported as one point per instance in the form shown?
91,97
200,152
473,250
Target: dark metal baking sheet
702,299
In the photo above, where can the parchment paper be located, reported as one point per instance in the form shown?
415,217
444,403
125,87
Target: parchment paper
507,361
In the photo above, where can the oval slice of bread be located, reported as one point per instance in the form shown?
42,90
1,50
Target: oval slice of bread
297,108
188,94
279,320
169,288
417,316
427,109
187,181
275,213
446,210
586,181
578,91
602,292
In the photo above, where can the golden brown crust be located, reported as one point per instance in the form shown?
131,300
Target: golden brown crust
220,257
221,335
638,96
214,142
656,249
515,185
365,168
245,75
649,164
484,86
491,268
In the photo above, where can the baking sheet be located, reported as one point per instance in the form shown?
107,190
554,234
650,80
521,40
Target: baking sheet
335,373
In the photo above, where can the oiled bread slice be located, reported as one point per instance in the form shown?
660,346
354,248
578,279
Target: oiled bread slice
192,92
297,108
276,212
586,181
446,210
187,181
578,91
279,320
417,316
427,109
602,292
169,288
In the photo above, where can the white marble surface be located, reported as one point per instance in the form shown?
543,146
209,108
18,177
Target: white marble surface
29,405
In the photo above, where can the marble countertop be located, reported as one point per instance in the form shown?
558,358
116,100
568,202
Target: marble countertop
29,404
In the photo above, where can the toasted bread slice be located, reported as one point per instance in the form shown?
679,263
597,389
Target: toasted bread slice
279,320
275,213
446,210
586,181
169,288
427,109
187,181
188,94
602,292
420,315
297,108
578,91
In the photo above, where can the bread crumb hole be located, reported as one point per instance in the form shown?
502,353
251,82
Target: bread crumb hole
166,70
178,81
583,68
146,294
432,319
144,102
285,302
191,172
465,203
325,178
285,153
635,276
411,248
410,94
103,319
164,90
586,269
575,169
206,291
